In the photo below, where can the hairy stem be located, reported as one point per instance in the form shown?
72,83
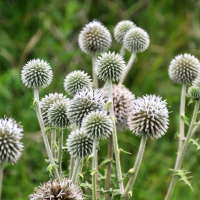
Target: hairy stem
115,142
1,177
94,76
60,152
122,51
128,67
72,160
76,169
53,141
42,127
182,152
136,166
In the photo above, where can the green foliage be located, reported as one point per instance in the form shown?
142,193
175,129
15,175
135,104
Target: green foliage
185,119
195,142
108,104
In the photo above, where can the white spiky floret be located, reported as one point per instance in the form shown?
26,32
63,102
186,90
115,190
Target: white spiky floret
122,28
184,68
136,40
94,38
149,115
196,82
57,114
79,144
97,125
56,190
110,66
36,73
75,81
194,92
10,145
47,101
83,103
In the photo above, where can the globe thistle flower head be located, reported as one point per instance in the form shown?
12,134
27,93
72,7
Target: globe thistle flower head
136,40
149,115
36,74
55,190
46,103
79,144
196,82
184,68
94,38
75,81
194,92
10,145
110,66
83,103
97,125
122,104
122,28
57,114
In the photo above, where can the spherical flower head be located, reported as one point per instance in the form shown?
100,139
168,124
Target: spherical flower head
83,103
46,103
36,74
184,68
57,114
76,81
97,125
149,116
94,38
122,104
196,82
10,145
110,66
194,92
122,28
79,144
55,190
136,40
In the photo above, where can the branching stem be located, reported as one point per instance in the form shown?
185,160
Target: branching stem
76,169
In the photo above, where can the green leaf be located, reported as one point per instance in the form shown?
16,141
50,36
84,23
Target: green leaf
93,171
86,185
34,104
191,101
107,105
195,142
121,150
185,119
176,136
88,160
106,161
113,119
50,168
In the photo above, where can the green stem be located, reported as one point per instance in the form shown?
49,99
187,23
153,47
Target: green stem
1,177
42,127
115,142
60,152
72,160
128,67
136,167
76,169
122,51
94,76
53,141
182,152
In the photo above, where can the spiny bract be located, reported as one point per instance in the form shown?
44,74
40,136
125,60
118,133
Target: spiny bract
75,81
79,144
10,145
94,38
184,68
136,40
194,92
122,28
110,66
36,74
55,190
97,125
149,115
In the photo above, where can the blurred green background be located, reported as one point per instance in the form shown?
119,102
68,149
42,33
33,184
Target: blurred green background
49,30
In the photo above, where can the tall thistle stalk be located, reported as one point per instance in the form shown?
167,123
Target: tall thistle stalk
94,76
76,169
1,177
53,142
60,152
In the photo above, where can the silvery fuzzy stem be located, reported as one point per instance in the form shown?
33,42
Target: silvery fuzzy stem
128,67
182,151
136,166
122,51
1,177
94,167
53,141
60,152
72,160
94,76
76,169
42,127
115,142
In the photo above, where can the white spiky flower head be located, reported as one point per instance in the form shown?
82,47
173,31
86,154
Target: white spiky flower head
56,190
97,125
46,103
10,145
36,73
79,144
196,82
94,38
83,103
76,81
110,66
194,92
122,28
57,114
149,115
122,104
136,40
184,68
